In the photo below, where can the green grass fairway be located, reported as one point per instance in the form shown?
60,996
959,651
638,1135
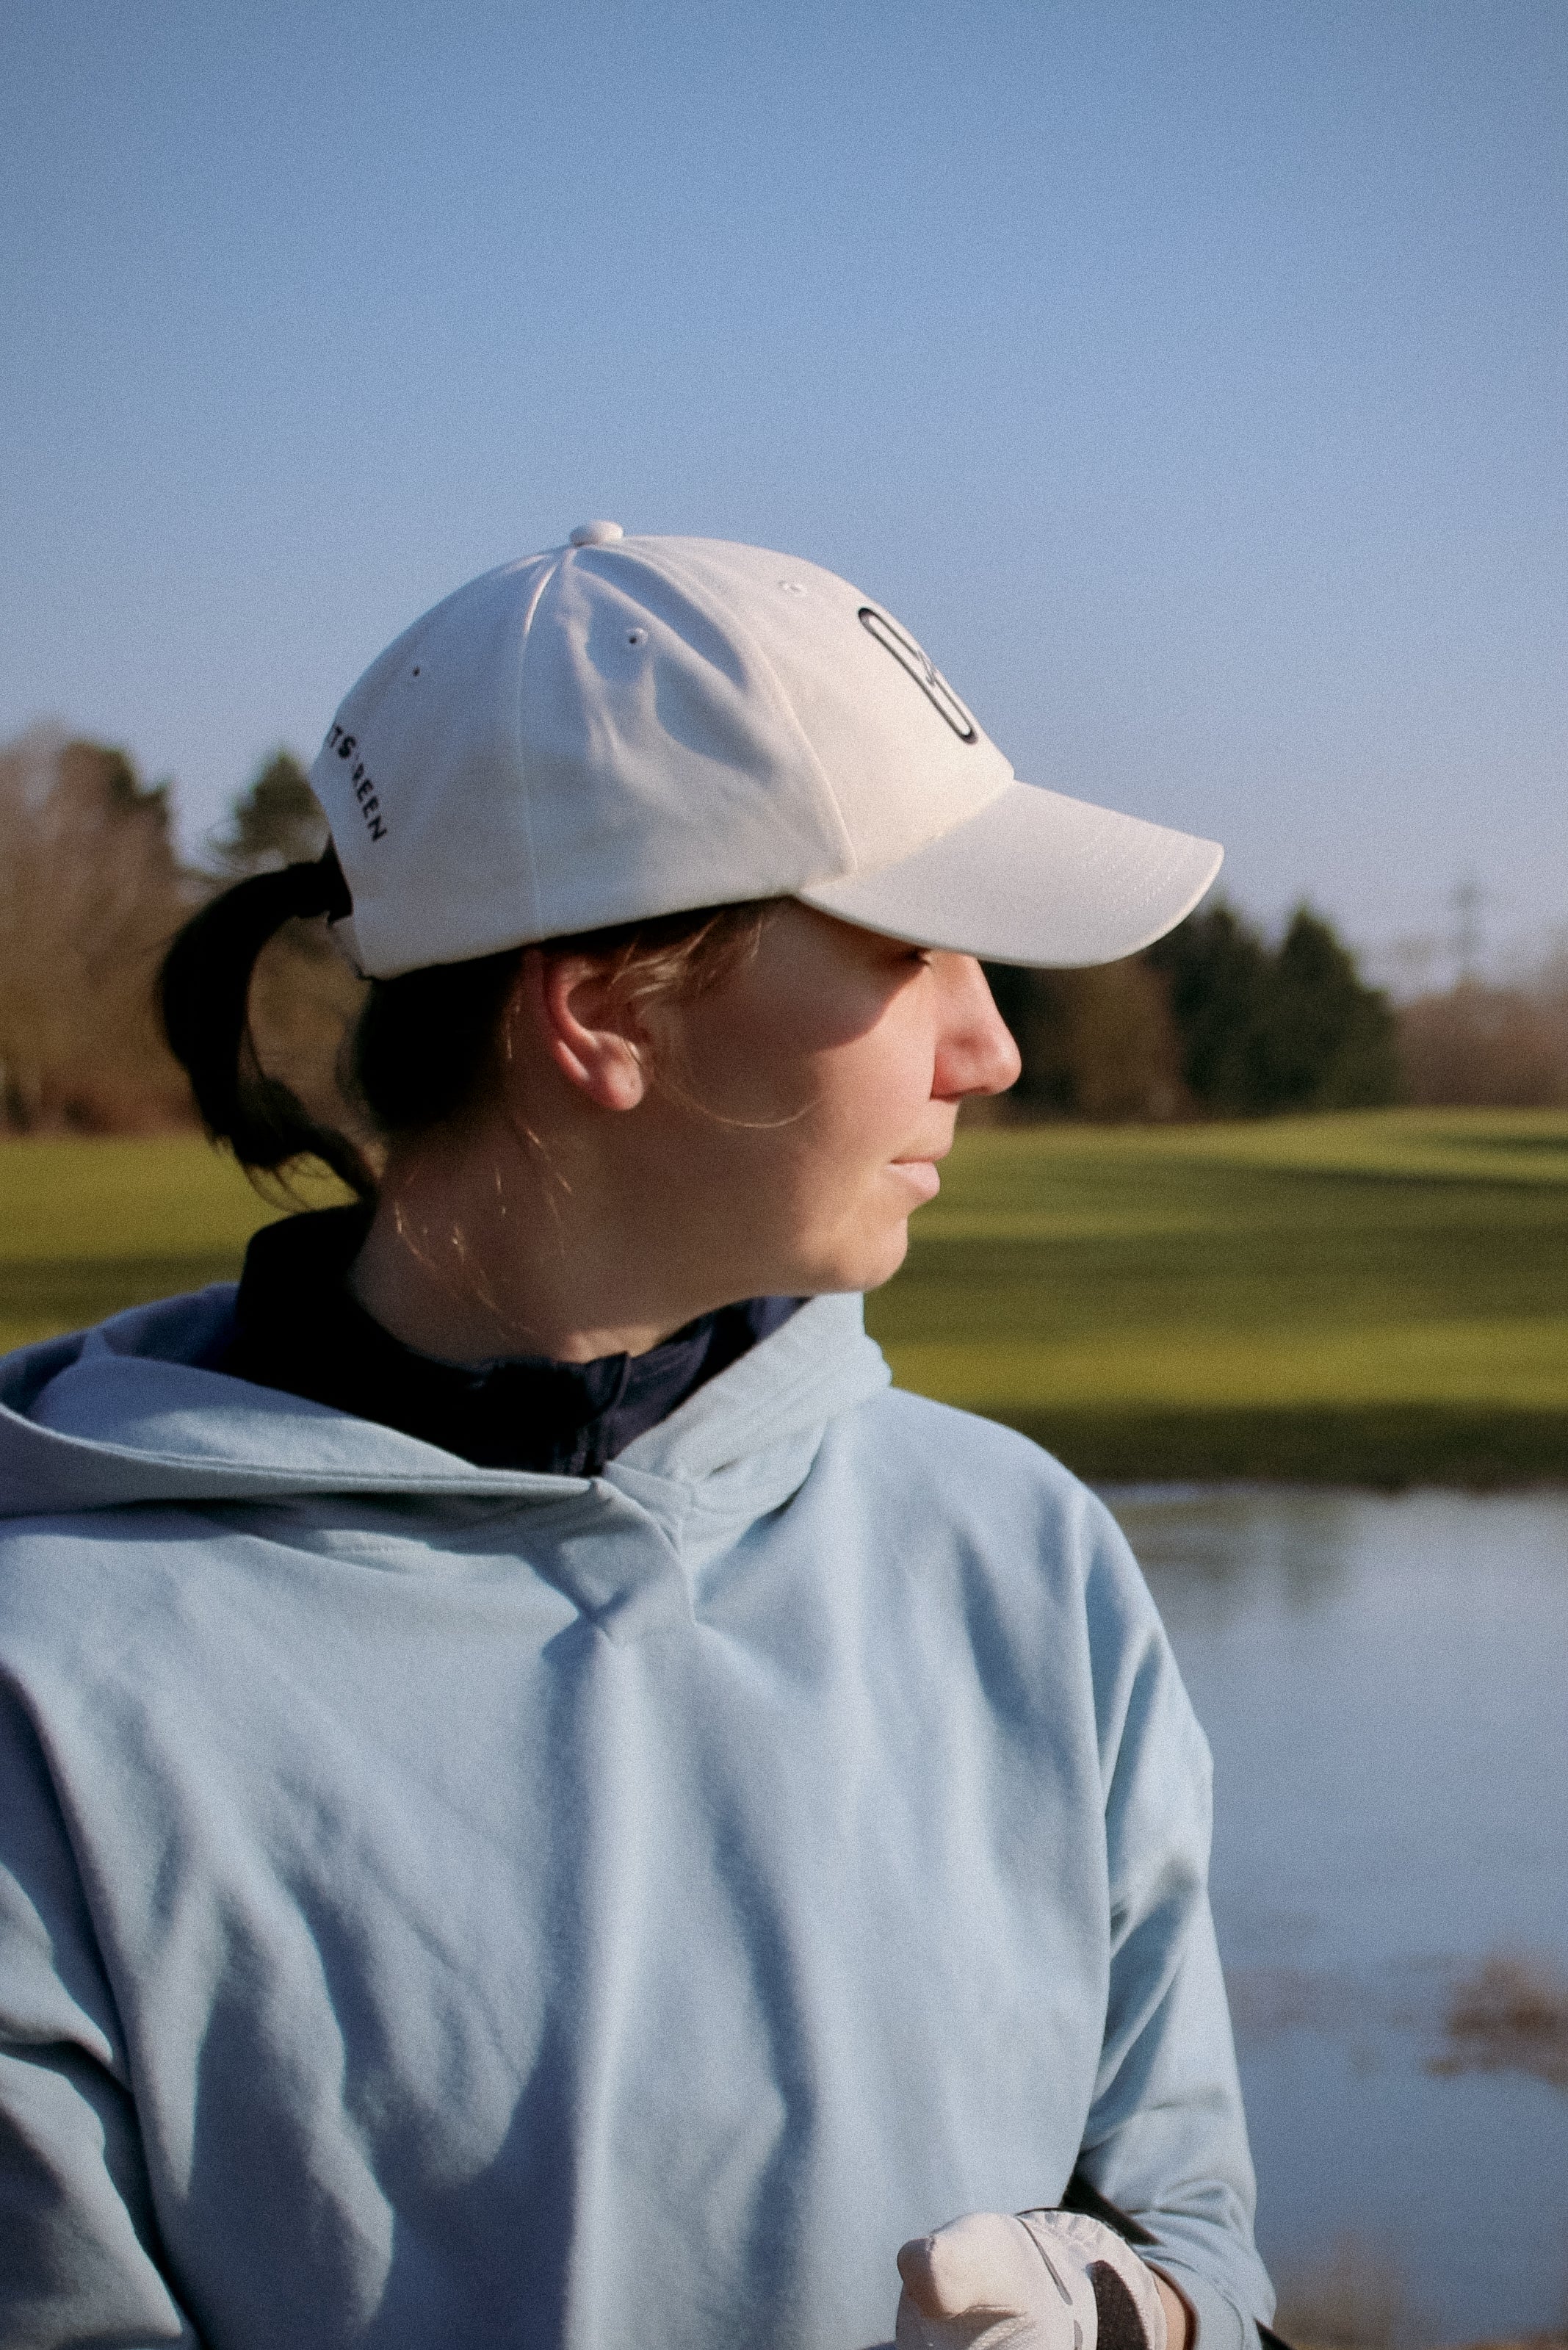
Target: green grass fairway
1375,1298
88,1227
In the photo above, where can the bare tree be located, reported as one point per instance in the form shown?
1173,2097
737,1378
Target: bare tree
1498,1047
90,890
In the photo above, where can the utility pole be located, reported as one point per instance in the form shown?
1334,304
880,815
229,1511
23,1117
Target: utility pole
1466,903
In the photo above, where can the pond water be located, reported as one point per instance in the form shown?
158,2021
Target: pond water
1385,1685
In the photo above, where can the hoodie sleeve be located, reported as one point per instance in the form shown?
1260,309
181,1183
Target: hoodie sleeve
1166,2139
78,2262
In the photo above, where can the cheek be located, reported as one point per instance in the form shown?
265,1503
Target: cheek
811,1115
870,1109
865,1075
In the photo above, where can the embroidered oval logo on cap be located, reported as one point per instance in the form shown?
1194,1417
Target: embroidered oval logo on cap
922,668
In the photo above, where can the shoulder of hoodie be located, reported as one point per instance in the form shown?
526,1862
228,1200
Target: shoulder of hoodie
1058,1576
990,1488
963,1454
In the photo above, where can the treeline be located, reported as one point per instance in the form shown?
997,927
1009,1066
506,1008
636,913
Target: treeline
92,888
1215,1021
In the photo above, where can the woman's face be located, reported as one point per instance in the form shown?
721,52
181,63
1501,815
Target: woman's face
803,1104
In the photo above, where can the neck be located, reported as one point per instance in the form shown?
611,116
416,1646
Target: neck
485,1254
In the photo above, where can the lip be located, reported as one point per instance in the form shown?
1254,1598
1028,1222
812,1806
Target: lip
925,1157
921,1174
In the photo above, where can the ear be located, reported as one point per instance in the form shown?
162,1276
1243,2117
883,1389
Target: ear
590,1039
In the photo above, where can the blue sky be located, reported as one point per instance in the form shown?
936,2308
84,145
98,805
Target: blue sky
1189,377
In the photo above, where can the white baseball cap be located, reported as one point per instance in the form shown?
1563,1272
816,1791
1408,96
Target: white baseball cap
627,727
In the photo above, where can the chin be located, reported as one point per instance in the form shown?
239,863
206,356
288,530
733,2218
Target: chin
866,1264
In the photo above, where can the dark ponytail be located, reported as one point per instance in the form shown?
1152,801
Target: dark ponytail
203,997
426,1042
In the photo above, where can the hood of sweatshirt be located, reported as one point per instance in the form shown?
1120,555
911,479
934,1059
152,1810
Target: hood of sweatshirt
128,1413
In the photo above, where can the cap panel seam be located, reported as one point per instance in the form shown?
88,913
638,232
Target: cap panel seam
735,627
535,909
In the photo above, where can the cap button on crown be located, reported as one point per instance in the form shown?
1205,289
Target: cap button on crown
596,533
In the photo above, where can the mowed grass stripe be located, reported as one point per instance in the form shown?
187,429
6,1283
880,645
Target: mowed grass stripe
1494,1146
1376,1298
1520,1364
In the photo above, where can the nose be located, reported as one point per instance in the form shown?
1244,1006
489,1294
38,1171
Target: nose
975,1051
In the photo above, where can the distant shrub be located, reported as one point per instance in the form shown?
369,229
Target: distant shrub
1094,1044
1511,2015
1488,1047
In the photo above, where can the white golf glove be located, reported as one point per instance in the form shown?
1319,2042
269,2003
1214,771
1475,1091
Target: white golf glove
1042,2281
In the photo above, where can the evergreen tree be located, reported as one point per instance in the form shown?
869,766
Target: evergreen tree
1263,1031
1324,1039
277,821
1216,966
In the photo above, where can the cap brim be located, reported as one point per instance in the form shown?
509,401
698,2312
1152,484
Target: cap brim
1036,879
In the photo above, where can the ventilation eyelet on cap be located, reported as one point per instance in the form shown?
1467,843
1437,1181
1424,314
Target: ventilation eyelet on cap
596,533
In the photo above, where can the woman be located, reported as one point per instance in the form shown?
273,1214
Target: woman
547,1805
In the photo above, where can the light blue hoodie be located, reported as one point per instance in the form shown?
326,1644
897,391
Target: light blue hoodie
444,1905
